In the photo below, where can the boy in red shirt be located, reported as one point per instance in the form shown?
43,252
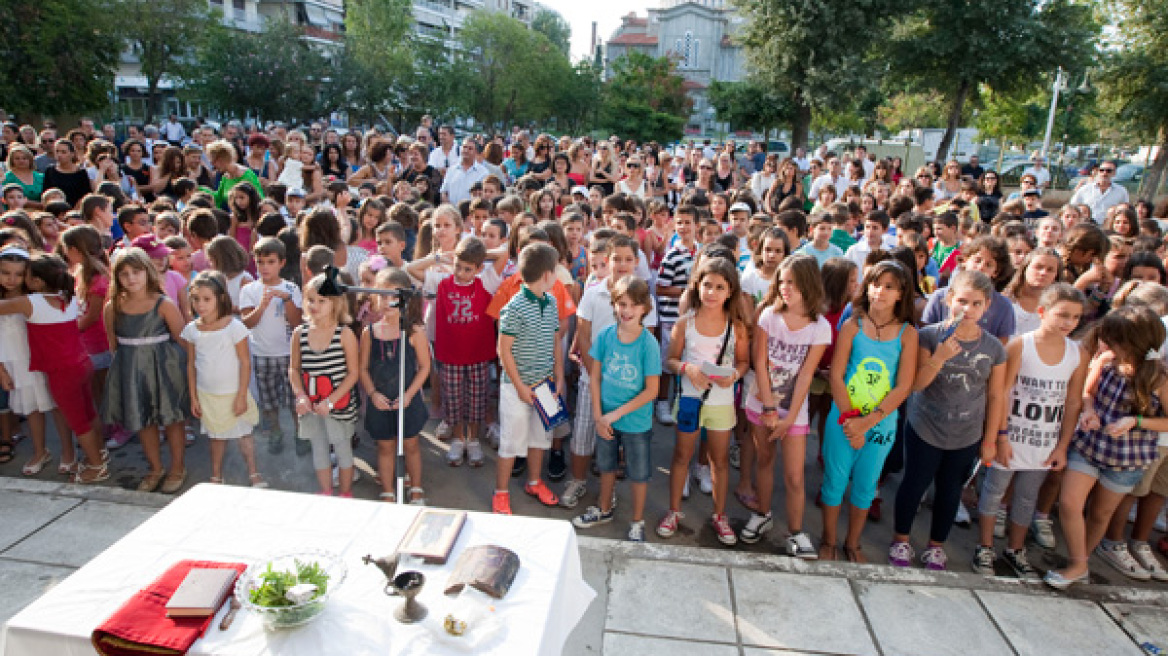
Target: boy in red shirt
464,345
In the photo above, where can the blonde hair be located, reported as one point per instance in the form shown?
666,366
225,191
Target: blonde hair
340,304
137,259
221,149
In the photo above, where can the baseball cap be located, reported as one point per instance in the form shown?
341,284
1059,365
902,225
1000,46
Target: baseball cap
580,189
1031,192
152,246
296,192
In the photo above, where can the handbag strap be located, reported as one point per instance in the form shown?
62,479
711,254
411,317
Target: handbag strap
721,352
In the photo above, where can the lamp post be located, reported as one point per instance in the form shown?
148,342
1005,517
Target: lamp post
1060,84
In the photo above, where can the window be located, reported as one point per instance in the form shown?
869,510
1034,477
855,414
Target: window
239,9
685,51
697,50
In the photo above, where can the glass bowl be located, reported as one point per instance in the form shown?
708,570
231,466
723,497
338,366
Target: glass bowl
286,617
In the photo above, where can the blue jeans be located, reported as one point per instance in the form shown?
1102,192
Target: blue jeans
637,464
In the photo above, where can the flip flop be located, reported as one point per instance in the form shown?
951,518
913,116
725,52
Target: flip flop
7,451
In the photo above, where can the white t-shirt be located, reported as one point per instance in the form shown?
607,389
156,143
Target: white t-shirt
754,284
786,351
216,365
1041,175
270,337
596,307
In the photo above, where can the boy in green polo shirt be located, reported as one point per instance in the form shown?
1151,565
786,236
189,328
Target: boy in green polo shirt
528,350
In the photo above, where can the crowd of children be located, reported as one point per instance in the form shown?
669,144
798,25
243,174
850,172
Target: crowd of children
1019,354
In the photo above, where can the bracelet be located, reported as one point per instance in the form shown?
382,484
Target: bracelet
1139,421
769,408
1003,432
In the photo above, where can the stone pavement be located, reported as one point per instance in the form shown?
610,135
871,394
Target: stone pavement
680,600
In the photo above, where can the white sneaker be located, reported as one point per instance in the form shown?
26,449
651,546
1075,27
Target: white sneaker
1000,522
1117,555
705,480
444,431
1142,552
1042,529
962,519
664,413
454,455
573,492
799,546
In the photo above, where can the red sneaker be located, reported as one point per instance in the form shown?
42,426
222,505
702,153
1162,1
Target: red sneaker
501,503
540,491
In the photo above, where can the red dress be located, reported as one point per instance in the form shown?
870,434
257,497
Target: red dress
55,349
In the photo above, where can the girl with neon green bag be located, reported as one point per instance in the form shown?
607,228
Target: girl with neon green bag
871,376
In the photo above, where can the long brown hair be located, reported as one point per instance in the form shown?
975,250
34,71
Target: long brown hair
395,277
726,268
903,312
807,279
94,260
135,258
1019,280
1139,333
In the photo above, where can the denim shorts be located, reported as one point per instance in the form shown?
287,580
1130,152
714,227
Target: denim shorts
101,361
636,445
1119,481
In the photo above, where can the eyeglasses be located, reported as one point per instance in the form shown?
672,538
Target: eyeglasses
924,177
706,167
633,165
1107,170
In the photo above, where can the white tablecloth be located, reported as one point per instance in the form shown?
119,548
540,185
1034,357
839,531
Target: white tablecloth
215,522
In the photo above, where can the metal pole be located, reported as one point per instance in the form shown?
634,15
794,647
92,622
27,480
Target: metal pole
1058,83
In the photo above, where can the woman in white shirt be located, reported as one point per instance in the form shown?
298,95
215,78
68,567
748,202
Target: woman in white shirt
762,180
634,184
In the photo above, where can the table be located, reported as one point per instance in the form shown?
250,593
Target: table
216,522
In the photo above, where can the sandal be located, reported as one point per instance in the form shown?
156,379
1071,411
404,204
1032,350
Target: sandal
257,481
151,481
7,451
748,501
36,465
174,482
67,468
101,473
388,497
419,500
828,552
855,555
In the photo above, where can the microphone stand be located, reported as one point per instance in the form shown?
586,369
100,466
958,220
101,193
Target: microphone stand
334,287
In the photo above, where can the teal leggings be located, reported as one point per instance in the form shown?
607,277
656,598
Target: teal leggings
862,467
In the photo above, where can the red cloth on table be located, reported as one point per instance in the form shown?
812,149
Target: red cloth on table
141,626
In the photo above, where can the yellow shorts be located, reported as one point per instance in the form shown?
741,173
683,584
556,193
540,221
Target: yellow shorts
715,417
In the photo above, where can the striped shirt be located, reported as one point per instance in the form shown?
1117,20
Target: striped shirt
1135,449
675,271
321,372
534,322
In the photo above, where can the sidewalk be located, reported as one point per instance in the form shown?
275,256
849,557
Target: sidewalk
680,600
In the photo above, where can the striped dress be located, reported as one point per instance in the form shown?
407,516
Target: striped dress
321,372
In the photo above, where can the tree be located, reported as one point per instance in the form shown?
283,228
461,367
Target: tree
57,56
748,104
1011,115
956,47
517,72
907,111
1135,82
645,99
552,25
272,74
812,51
162,34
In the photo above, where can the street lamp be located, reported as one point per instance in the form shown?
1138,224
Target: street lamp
1060,84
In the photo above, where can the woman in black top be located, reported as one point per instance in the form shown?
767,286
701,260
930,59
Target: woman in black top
540,166
332,162
136,168
724,174
786,185
67,175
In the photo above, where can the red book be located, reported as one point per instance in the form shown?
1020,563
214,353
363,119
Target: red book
141,626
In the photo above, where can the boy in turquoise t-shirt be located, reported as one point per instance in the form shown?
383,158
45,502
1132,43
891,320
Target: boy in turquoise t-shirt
820,245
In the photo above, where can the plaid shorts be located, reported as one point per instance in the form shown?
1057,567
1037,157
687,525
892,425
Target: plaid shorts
583,428
271,374
465,392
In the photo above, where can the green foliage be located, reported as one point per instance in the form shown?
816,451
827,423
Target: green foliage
551,24
517,73
813,51
645,99
956,48
57,56
748,104
272,74
908,110
275,585
163,34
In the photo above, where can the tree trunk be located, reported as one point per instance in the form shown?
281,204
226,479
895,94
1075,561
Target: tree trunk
1155,173
801,124
954,119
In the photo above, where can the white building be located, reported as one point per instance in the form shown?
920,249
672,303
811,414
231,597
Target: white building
697,34
442,19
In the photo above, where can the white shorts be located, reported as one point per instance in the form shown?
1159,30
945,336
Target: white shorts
520,428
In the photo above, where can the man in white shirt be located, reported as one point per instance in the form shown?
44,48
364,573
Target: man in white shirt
835,175
446,154
869,165
173,131
1101,194
1040,172
460,178
801,160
